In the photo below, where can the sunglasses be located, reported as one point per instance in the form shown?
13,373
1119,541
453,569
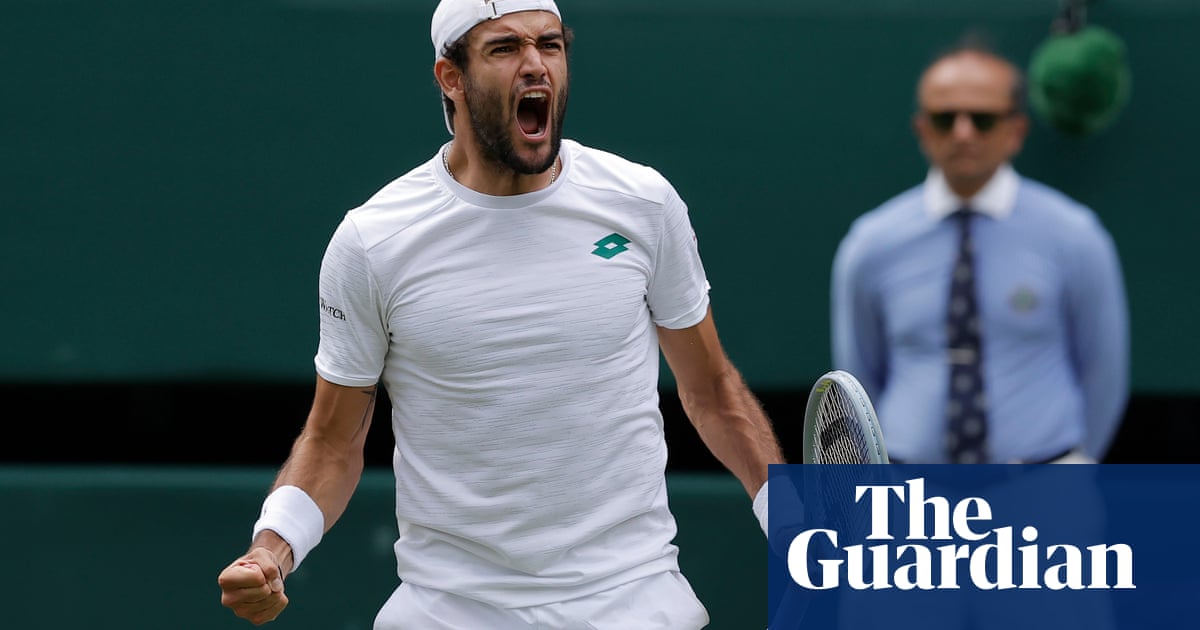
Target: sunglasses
983,121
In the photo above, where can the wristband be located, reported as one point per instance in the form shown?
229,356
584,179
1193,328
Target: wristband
760,507
291,513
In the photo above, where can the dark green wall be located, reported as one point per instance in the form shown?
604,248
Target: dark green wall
171,169
140,548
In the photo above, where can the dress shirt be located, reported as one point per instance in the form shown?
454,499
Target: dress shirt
1053,309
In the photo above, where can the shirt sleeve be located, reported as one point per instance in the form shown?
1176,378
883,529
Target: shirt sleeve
354,338
1099,342
857,335
678,291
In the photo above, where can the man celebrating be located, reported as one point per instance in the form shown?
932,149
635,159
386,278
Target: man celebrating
512,294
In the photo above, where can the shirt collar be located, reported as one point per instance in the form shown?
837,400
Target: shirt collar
996,199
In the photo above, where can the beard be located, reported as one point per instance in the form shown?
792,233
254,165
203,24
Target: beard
493,129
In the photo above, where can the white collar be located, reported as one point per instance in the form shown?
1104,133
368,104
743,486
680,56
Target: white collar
996,199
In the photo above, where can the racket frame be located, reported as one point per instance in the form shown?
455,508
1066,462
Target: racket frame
864,414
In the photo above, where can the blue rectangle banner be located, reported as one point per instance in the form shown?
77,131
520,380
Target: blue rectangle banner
987,547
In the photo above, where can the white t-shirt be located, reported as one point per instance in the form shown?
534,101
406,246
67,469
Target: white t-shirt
516,340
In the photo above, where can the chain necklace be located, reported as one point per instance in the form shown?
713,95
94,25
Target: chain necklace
446,163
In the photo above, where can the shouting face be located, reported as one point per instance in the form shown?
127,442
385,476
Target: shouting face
515,90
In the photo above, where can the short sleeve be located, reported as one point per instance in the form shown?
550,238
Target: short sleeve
678,294
354,339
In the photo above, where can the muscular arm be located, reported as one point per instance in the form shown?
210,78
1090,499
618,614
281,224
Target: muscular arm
726,414
326,460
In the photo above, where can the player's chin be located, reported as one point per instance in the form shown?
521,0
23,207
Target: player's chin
535,152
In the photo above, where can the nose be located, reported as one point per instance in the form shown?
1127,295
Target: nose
532,64
963,128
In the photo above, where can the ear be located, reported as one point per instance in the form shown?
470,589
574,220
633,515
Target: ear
1020,129
920,130
449,78
1022,124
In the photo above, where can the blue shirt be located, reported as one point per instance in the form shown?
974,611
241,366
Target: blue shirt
1053,311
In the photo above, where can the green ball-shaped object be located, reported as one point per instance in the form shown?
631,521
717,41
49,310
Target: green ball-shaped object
1079,82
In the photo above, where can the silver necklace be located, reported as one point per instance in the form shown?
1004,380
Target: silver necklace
446,163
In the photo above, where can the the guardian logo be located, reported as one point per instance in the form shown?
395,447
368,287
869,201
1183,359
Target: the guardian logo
975,553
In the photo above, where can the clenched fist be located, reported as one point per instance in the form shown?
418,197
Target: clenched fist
253,586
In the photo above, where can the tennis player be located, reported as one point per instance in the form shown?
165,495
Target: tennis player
512,294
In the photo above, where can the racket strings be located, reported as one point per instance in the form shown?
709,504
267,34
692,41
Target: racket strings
840,435
840,439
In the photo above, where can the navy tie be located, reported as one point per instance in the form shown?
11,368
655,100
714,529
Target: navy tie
966,408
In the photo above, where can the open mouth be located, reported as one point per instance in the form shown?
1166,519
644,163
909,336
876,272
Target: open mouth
533,113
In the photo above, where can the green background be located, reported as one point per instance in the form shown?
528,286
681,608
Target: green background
170,170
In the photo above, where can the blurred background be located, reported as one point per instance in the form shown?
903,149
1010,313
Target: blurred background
170,171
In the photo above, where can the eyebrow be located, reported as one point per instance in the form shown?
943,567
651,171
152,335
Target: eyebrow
516,39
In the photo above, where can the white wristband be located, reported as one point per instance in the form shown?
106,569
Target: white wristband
291,513
760,507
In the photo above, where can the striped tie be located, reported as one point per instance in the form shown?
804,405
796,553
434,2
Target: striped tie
966,408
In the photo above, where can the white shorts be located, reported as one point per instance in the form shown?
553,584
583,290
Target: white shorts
663,601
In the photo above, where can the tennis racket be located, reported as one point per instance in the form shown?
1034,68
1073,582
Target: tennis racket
840,425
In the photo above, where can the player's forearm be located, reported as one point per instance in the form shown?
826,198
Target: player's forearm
735,429
326,461
328,472
308,497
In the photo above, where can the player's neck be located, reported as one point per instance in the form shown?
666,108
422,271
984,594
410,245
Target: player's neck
466,165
